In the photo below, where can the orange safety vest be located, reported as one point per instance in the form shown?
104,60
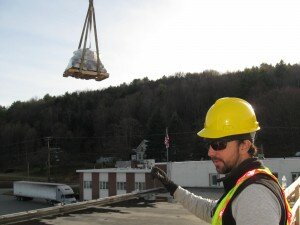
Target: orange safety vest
217,217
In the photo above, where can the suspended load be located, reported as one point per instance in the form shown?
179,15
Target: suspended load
86,63
89,69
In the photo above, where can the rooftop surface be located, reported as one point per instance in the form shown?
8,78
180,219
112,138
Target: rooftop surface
131,212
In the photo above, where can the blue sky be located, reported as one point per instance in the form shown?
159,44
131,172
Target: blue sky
140,38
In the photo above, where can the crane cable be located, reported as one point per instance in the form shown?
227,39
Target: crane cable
87,28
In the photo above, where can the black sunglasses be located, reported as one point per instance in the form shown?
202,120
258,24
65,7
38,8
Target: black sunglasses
218,145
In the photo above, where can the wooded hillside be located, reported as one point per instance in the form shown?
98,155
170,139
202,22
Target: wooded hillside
113,121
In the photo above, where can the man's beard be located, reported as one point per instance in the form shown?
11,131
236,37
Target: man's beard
229,165
225,169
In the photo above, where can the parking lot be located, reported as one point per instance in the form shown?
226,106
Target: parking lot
8,203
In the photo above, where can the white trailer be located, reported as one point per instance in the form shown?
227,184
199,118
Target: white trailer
51,192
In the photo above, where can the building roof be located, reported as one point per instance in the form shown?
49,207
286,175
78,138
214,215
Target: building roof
132,212
39,183
115,170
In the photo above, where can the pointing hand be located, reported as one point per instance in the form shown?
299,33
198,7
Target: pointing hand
160,175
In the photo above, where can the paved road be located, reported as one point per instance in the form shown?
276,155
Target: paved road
8,204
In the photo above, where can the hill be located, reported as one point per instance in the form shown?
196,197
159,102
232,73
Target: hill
80,127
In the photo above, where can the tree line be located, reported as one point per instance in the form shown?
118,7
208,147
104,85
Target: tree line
83,126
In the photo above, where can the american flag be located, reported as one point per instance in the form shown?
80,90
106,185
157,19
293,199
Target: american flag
167,140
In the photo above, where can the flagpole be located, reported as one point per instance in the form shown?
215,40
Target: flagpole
167,143
167,154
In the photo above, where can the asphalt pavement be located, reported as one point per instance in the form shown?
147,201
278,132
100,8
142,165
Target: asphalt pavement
8,203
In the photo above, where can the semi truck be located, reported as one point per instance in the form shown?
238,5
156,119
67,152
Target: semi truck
53,193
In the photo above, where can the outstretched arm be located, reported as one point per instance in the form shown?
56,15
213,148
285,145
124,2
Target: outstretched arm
200,207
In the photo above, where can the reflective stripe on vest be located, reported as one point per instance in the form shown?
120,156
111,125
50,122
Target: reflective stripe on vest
217,217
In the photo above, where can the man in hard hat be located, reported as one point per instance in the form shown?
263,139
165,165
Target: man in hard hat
252,194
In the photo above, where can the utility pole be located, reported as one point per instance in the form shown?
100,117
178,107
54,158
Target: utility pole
27,162
48,161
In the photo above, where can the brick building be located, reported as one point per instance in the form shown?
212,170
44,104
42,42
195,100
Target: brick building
101,183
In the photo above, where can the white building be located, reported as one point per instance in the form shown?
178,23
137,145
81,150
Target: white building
203,173
99,183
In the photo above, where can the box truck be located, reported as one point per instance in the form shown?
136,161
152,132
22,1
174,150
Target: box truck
52,192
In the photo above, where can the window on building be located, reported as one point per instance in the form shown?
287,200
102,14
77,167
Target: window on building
213,180
140,186
103,185
295,176
121,185
87,184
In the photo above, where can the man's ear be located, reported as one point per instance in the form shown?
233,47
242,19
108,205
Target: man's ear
245,146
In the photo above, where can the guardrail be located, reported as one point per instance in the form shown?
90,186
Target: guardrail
61,209
293,193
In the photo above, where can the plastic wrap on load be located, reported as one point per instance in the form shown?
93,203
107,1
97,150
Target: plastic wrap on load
89,62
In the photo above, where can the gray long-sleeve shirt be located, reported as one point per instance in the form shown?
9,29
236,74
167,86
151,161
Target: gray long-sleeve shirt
256,204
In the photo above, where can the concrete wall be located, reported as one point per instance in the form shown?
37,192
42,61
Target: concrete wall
87,192
196,173
121,177
191,173
103,177
283,166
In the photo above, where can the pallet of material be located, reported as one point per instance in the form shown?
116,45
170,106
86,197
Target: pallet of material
85,74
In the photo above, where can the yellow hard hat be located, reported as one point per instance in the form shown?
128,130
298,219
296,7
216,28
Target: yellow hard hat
227,117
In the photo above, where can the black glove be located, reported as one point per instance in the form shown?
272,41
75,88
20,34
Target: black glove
163,178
